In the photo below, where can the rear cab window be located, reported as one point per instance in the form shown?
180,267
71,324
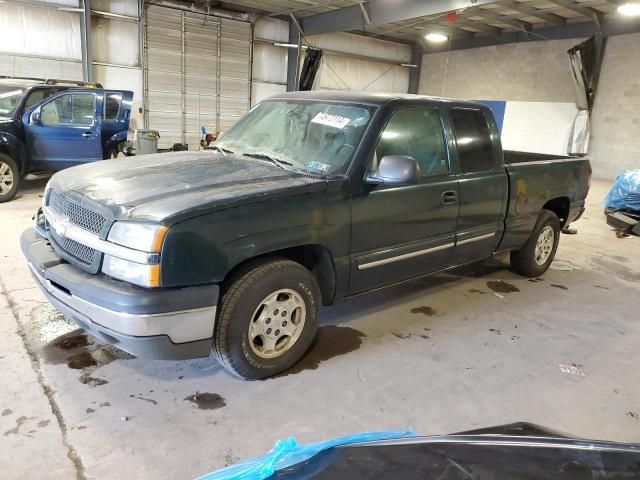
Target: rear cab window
473,140
112,104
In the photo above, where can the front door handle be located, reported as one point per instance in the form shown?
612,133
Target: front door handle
448,197
87,134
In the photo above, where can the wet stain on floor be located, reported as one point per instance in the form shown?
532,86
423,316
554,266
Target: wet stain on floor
425,310
16,430
561,287
496,331
475,290
43,423
150,400
536,280
87,379
78,351
401,336
331,341
7,411
499,286
616,269
206,401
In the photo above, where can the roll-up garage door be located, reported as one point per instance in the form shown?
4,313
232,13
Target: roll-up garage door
197,73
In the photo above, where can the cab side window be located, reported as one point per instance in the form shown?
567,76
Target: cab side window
473,140
416,133
69,109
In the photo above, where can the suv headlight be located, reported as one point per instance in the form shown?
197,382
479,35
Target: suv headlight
145,237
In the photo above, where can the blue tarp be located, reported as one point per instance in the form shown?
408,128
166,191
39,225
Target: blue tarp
625,192
289,452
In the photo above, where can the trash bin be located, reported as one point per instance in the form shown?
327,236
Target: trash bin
146,142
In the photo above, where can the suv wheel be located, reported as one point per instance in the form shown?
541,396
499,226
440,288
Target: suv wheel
268,318
9,178
534,258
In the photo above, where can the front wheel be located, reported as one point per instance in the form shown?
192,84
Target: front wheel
268,318
9,178
534,258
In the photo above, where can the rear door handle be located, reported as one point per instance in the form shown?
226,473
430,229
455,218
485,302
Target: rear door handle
87,134
448,197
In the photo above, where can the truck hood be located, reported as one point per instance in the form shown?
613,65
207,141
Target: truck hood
173,186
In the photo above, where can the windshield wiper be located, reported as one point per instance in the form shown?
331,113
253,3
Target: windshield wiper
275,161
223,151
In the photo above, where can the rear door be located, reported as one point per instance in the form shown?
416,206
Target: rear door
483,183
407,231
67,131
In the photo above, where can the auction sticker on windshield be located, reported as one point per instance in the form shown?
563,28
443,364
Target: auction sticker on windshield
335,121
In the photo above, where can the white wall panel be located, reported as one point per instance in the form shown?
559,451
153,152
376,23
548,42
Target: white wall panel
272,29
27,30
39,67
114,41
269,64
540,127
343,73
359,45
121,7
260,91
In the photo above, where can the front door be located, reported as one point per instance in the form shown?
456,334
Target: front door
403,232
67,132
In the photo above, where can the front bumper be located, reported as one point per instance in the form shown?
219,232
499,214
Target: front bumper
173,323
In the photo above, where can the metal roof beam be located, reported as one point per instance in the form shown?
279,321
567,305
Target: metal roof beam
575,7
524,9
576,30
380,13
492,16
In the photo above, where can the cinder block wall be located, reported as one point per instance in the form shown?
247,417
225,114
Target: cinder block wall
615,132
528,72
539,72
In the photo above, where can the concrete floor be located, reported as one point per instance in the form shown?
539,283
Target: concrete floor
439,355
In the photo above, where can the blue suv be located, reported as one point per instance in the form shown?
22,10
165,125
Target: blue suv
52,125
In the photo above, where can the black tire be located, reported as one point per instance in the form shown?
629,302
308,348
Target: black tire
245,293
14,172
523,261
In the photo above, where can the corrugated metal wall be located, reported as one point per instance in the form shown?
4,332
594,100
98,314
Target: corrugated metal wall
197,73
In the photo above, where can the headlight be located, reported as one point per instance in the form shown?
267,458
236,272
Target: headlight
147,237
136,273
144,237
45,195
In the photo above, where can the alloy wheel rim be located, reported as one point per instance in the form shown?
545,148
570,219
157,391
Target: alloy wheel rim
276,324
544,245
6,178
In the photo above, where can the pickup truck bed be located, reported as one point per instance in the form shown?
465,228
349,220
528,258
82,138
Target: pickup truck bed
310,198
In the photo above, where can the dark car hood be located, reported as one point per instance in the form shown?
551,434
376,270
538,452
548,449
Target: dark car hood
177,185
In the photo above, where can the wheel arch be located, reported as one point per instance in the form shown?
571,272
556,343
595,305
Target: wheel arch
314,257
10,148
560,206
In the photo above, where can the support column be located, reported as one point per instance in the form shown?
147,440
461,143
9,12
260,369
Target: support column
414,72
85,42
293,57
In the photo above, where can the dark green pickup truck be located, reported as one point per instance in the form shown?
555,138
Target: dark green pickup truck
310,198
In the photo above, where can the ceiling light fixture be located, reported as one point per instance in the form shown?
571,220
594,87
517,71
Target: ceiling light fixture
629,9
436,37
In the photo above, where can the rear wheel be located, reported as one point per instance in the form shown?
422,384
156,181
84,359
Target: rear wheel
534,258
9,178
268,318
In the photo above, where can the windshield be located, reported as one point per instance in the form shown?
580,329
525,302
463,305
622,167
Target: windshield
9,98
316,137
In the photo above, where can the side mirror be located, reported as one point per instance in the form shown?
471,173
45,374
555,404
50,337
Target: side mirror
395,170
35,116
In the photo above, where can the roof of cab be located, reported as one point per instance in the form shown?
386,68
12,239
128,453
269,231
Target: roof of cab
366,97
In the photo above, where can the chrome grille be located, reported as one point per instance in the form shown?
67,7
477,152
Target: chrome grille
77,250
78,215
